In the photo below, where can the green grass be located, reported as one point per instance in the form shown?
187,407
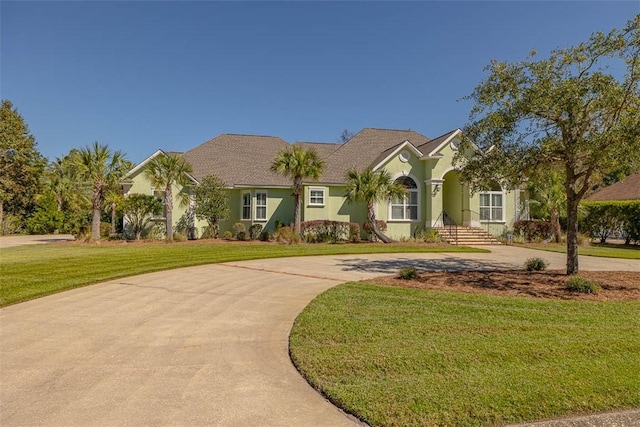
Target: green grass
28,272
395,356
595,249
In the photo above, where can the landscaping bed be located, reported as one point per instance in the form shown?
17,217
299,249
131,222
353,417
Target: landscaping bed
616,285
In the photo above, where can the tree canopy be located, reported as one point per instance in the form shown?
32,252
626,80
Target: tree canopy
21,165
212,202
102,169
572,109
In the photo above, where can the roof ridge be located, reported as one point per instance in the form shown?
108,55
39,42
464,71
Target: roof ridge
249,134
394,130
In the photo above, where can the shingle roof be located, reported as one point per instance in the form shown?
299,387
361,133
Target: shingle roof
427,148
238,159
364,149
245,160
626,189
324,149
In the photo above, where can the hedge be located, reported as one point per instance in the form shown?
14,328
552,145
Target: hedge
329,231
615,216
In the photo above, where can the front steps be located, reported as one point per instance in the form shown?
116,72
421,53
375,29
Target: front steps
467,236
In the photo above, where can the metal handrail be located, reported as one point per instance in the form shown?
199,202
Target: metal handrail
448,224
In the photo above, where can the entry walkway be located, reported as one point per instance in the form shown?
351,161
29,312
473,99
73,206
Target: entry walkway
203,345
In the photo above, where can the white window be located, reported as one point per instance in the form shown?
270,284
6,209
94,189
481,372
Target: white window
261,206
316,196
246,206
406,208
492,204
162,196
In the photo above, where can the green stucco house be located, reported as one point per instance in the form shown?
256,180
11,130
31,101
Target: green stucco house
436,197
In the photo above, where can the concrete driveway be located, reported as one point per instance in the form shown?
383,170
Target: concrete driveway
33,239
203,345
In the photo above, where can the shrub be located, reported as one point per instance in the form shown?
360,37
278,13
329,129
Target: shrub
105,230
179,237
408,273
267,236
536,264
227,235
320,231
582,285
157,232
354,232
533,231
286,235
428,236
242,235
254,231
238,228
209,233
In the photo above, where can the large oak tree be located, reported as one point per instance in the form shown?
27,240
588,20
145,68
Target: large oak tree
578,109
21,165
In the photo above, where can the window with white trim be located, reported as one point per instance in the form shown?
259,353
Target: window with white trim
316,196
406,208
162,196
261,206
246,206
492,204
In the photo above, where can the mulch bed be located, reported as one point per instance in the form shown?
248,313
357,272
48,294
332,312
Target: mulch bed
616,285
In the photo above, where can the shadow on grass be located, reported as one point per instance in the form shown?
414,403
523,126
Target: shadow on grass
444,264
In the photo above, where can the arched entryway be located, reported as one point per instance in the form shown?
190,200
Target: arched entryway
453,196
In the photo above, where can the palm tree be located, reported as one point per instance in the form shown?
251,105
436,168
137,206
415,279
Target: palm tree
102,169
112,200
165,171
549,199
369,187
298,164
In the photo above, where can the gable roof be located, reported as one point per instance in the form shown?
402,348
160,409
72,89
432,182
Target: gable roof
432,147
365,148
626,189
139,167
238,160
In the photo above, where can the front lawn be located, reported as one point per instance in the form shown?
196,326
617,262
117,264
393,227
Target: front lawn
32,271
396,356
593,249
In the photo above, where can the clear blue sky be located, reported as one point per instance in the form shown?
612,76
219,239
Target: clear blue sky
140,75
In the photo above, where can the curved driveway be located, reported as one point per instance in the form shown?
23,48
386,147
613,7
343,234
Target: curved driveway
203,345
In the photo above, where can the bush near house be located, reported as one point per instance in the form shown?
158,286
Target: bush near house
606,217
323,231
532,230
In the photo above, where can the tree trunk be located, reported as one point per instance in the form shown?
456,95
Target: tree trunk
95,224
371,217
1,217
297,190
168,202
572,232
555,222
113,218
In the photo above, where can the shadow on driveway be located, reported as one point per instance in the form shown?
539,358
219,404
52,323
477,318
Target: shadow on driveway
392,266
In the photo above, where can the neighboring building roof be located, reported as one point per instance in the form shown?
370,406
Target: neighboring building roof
238,160
364,149
626,189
